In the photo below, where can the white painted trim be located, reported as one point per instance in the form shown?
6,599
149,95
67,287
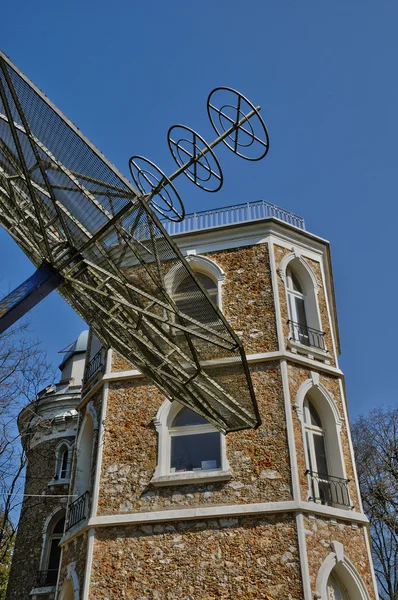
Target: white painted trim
288,258
275,292
331,426
332,318
225,511
309,351
251,358
44,547
88,565
302,544
305,388
191,478
290,432
71,576
100,445
199,264
215,512
162,475
337,557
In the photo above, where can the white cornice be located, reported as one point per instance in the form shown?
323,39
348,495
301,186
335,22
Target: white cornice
217,512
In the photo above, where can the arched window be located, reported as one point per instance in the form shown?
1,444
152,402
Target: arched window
325,468
316,453
52,552
187,301
190,449
63,462
195,445
302,303
296,301
336,590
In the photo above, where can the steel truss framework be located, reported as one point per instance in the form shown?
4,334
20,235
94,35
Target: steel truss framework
65,204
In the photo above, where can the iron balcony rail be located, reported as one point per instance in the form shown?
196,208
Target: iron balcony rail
48,577
77,511
307,335
232,215
95,365
329,490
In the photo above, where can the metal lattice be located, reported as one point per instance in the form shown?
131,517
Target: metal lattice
65,204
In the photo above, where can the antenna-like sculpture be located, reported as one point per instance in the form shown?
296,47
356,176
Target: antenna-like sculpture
238,125
98,240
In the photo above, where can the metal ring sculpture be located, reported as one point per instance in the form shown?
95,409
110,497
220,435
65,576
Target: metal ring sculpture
153,181
193,153
228,109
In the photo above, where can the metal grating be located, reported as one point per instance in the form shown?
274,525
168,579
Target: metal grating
64,203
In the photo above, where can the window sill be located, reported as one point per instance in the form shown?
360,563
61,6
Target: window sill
42,590
55,482
309,351
190,477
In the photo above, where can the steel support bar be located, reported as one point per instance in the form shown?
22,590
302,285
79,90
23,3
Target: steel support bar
27,295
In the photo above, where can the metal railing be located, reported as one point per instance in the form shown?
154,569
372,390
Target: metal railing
231,215
329,490
307,335
94,366
48,577
77,511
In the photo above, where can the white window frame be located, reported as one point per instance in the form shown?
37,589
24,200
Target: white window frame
310,288
338,563
331,427
310,432
199,264
163,475
64,445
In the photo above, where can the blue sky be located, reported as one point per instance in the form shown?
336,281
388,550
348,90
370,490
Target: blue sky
325,76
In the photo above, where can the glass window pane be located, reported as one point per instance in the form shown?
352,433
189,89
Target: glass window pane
320,454
315,418
55,554
186,416
300,311
201,452
59,526
64,464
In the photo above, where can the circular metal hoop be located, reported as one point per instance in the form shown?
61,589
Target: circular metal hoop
151,180
194,153
238,120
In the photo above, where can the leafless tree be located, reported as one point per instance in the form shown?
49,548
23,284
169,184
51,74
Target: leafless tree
375,438
24,371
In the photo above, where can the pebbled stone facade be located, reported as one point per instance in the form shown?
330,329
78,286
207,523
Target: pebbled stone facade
247,558
148,542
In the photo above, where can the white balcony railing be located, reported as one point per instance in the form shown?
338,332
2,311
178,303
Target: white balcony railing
232,215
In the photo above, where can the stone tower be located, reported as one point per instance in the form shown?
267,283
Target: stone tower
164,506
48,430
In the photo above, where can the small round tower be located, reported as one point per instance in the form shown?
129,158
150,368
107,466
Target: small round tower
48,429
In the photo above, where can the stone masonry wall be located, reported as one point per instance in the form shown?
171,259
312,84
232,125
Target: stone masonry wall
35,511
245,558
74,555
320,533
247,300
258,458
297,375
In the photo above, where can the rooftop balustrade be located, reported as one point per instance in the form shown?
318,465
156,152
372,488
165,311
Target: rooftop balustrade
233,215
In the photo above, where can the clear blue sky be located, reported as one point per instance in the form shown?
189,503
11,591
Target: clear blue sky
325,74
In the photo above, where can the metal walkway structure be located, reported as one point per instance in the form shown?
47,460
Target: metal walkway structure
75,216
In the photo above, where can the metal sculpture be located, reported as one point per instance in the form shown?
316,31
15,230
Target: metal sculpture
67,207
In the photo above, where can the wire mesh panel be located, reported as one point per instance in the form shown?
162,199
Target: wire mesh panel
64,203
